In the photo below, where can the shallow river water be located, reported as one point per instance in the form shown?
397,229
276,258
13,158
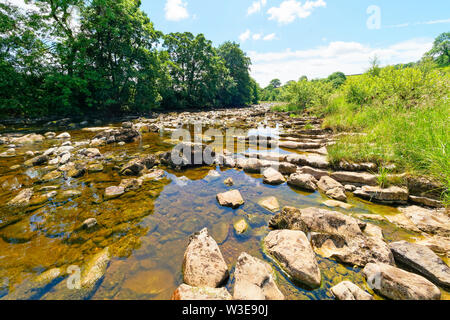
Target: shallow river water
148,230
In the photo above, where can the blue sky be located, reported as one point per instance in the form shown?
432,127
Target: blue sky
289,38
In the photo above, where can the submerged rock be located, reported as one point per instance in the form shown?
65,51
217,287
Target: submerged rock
113,192
422,260
270,203
240,226
228,182
254,280
203,263
292,250
398,284
22,199
187,292
347,290
231,199
37,161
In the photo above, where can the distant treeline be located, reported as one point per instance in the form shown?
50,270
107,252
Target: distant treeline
72,57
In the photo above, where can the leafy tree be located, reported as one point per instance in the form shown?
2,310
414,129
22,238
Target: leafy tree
337,79
441,49
275,83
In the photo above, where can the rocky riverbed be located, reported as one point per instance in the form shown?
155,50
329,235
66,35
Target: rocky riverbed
104,206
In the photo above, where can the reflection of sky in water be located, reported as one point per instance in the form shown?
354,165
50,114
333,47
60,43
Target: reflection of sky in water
263,130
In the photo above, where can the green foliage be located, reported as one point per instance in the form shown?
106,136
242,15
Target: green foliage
441,49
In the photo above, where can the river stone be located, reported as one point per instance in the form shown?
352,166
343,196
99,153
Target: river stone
398,284
22,199
339,204
231,199
402,221
427,220
136,166
332,188
29,138
240,226
130,184
51,176
292,250
228,182
89,223
254,280
440,245
311,160
153,174
360,178
64,135
422,260
186,292
270,203
303,181
36,161
272,176
113,192
203,263
316,173
387,195
91,153
426,201
95,167
347,290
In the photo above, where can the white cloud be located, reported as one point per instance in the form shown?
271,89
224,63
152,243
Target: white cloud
21,4
176,10
245,36
256,6
257,36
290,10
348,57
270,37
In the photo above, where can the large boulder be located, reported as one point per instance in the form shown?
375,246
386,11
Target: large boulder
347,290
254,280
293,252
203,263
389,195
272,176
231,199
398,284
336,235
422,260
303,181
187,292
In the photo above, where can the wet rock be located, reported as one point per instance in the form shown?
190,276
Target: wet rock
270,203
422,260
303,181
398,284
29,154
347,290
203,264
231,199
228,182
91,153
136,166
153,174
75,170
50,135
293,252
400,220
360,178
22,199
68,194
89,223
64,135
36,161
95,167
240,226
186,292
29,138
113,192
427,220
130,184
51,176
187,154
388,195
272,176
350,187
119,135
332,188
50,151
254,280
253,165
338,204
98,143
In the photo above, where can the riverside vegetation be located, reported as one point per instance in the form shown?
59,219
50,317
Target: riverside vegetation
318,198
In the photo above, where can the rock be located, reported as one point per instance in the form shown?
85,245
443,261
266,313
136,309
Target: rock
50,152
424,187
89,223
272,176
22,199
240,226
95,167
422,260
186,292
130,184
254,280
203,264
29,138
187,154
154,174
360,178
64,135
29,154
316,173
69,194
350,187
303,181
339,204
51,176
398,284
270,203
438,244
292,250
50,135
90,153
388,195
427,220
228,182
332,188
119,135
311,160
36,161
426,201
113,192
400,220
136,166
231,199
97,143
337,235
347,290
75,170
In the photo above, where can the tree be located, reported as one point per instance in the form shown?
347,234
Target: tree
238,65
441,49
337,79
275,83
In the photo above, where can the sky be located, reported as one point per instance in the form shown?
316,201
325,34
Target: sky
287,39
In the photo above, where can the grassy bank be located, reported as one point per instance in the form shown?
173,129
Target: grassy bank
402,116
